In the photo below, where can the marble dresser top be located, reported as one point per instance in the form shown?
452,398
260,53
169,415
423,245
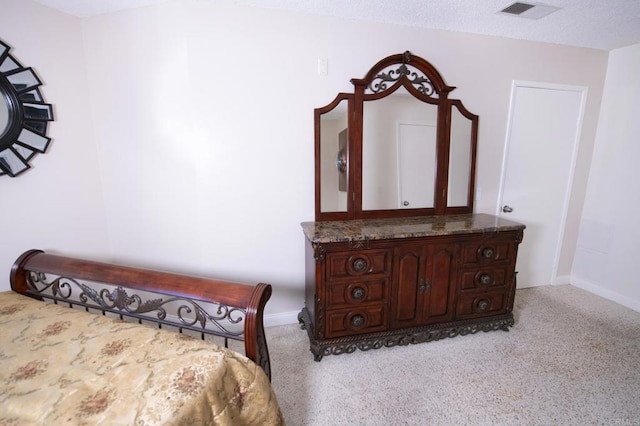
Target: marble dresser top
409,227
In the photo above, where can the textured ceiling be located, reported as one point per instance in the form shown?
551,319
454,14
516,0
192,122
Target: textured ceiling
599,24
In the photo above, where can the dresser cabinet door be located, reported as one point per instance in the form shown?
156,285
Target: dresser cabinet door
423,284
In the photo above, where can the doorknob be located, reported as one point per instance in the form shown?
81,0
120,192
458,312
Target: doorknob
507,209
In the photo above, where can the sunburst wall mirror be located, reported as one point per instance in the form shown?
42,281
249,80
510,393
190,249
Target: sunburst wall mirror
23,115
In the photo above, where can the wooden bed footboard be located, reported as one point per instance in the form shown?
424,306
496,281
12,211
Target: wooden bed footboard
206,306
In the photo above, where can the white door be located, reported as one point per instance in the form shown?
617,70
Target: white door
416,165
540,153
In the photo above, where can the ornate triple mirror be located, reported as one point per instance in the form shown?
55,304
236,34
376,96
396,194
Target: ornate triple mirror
395,147
23,115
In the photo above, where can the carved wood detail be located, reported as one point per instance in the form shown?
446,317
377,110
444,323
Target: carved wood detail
324,347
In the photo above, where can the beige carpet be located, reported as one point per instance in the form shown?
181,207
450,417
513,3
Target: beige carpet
572,358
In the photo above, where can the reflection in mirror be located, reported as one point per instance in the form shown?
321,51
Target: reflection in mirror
34,140
24,79
32,95
4,114
8,64
12,163
460,149
334,159
398,152
34,111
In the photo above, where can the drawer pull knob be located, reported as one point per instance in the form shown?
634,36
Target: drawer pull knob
357,320
357,293
359,265
485,279
482,305
488,252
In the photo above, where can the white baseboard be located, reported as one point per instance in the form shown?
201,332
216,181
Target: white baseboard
562,280
282,318
606,293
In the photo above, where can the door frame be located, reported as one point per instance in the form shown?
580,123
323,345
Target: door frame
583,90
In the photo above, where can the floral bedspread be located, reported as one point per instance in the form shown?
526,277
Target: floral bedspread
66,366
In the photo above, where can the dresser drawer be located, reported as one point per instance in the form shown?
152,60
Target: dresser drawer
480,304
356,292
345,322
353,264
487,251
483,277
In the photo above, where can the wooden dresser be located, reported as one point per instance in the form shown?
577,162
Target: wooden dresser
373,283
397,254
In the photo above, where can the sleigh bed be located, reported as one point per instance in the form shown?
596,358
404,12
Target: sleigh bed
139,347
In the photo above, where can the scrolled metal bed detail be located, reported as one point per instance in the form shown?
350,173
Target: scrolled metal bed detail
206,306
118,300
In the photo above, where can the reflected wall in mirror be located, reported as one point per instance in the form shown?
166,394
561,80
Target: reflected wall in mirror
23,115
462,151
332,156
410,151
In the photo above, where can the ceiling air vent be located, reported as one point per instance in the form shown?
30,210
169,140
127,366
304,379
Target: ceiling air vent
528,10
517,8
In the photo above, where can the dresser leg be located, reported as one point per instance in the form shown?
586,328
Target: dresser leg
301,321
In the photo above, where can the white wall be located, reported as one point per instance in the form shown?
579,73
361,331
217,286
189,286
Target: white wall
607,251
204,126
56,205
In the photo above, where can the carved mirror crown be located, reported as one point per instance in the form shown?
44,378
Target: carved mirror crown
395,147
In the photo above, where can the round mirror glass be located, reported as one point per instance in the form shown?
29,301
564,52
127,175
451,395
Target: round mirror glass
4,115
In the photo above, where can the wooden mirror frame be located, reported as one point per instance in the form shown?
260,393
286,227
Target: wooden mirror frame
383,79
